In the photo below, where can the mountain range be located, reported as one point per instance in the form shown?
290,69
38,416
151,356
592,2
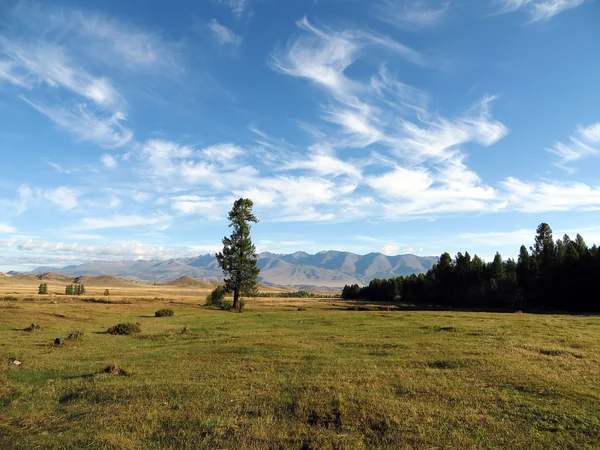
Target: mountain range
331,269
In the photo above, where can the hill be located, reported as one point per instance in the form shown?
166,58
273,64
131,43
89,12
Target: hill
102,281
186,281
43,277
326,269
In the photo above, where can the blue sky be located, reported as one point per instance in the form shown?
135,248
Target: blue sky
127,131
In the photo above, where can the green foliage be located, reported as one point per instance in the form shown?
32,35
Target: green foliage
164,313
43,289
555,276
238,258
75,289
124,329
217,299
106,292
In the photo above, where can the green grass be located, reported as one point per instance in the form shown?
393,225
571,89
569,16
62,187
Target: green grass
276,377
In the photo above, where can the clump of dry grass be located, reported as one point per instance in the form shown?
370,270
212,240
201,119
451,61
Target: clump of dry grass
114,369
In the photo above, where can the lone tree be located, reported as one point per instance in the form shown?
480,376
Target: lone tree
238,259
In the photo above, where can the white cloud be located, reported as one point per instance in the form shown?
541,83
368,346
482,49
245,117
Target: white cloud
222,152
8,73
140,197
211,207
322,160
59,168
6,229
535,197
108,161
538,10
222,34
237,7
260,197
411,15
63,197
120,44
93,252
120,221
47,64
585,143
106,131
545,10
390,249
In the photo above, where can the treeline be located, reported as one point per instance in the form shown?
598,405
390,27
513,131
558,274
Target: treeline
296,294
75,289
561,275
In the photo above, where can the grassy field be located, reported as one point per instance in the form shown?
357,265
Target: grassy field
303,374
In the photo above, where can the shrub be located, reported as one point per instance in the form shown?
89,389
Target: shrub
164,313
106,292
114,369
124,328
75,335
10,298
217,298
33,327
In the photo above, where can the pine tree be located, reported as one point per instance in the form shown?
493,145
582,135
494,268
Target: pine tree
238,258
43,289
543,250
497,267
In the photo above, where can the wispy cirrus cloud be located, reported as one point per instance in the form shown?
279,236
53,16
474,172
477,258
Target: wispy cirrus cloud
85,124
585,143
120,221
59,59
538,10
412,15
223,35
238,7
547,196
86,33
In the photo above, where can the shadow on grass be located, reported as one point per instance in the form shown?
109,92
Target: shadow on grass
364,305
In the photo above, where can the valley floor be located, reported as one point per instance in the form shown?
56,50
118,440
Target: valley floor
296,374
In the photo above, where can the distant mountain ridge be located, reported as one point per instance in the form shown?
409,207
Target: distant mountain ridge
331,268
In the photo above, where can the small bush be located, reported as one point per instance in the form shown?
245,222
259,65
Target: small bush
164,313
217,298
10,298
114,369
75,335
106,292
226,304
33,327
124,329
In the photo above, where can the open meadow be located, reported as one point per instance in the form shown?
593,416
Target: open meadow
290,373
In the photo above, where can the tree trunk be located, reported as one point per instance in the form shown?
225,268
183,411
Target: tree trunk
236,298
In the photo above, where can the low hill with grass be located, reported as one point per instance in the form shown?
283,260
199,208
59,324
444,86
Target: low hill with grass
102,281
187,281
